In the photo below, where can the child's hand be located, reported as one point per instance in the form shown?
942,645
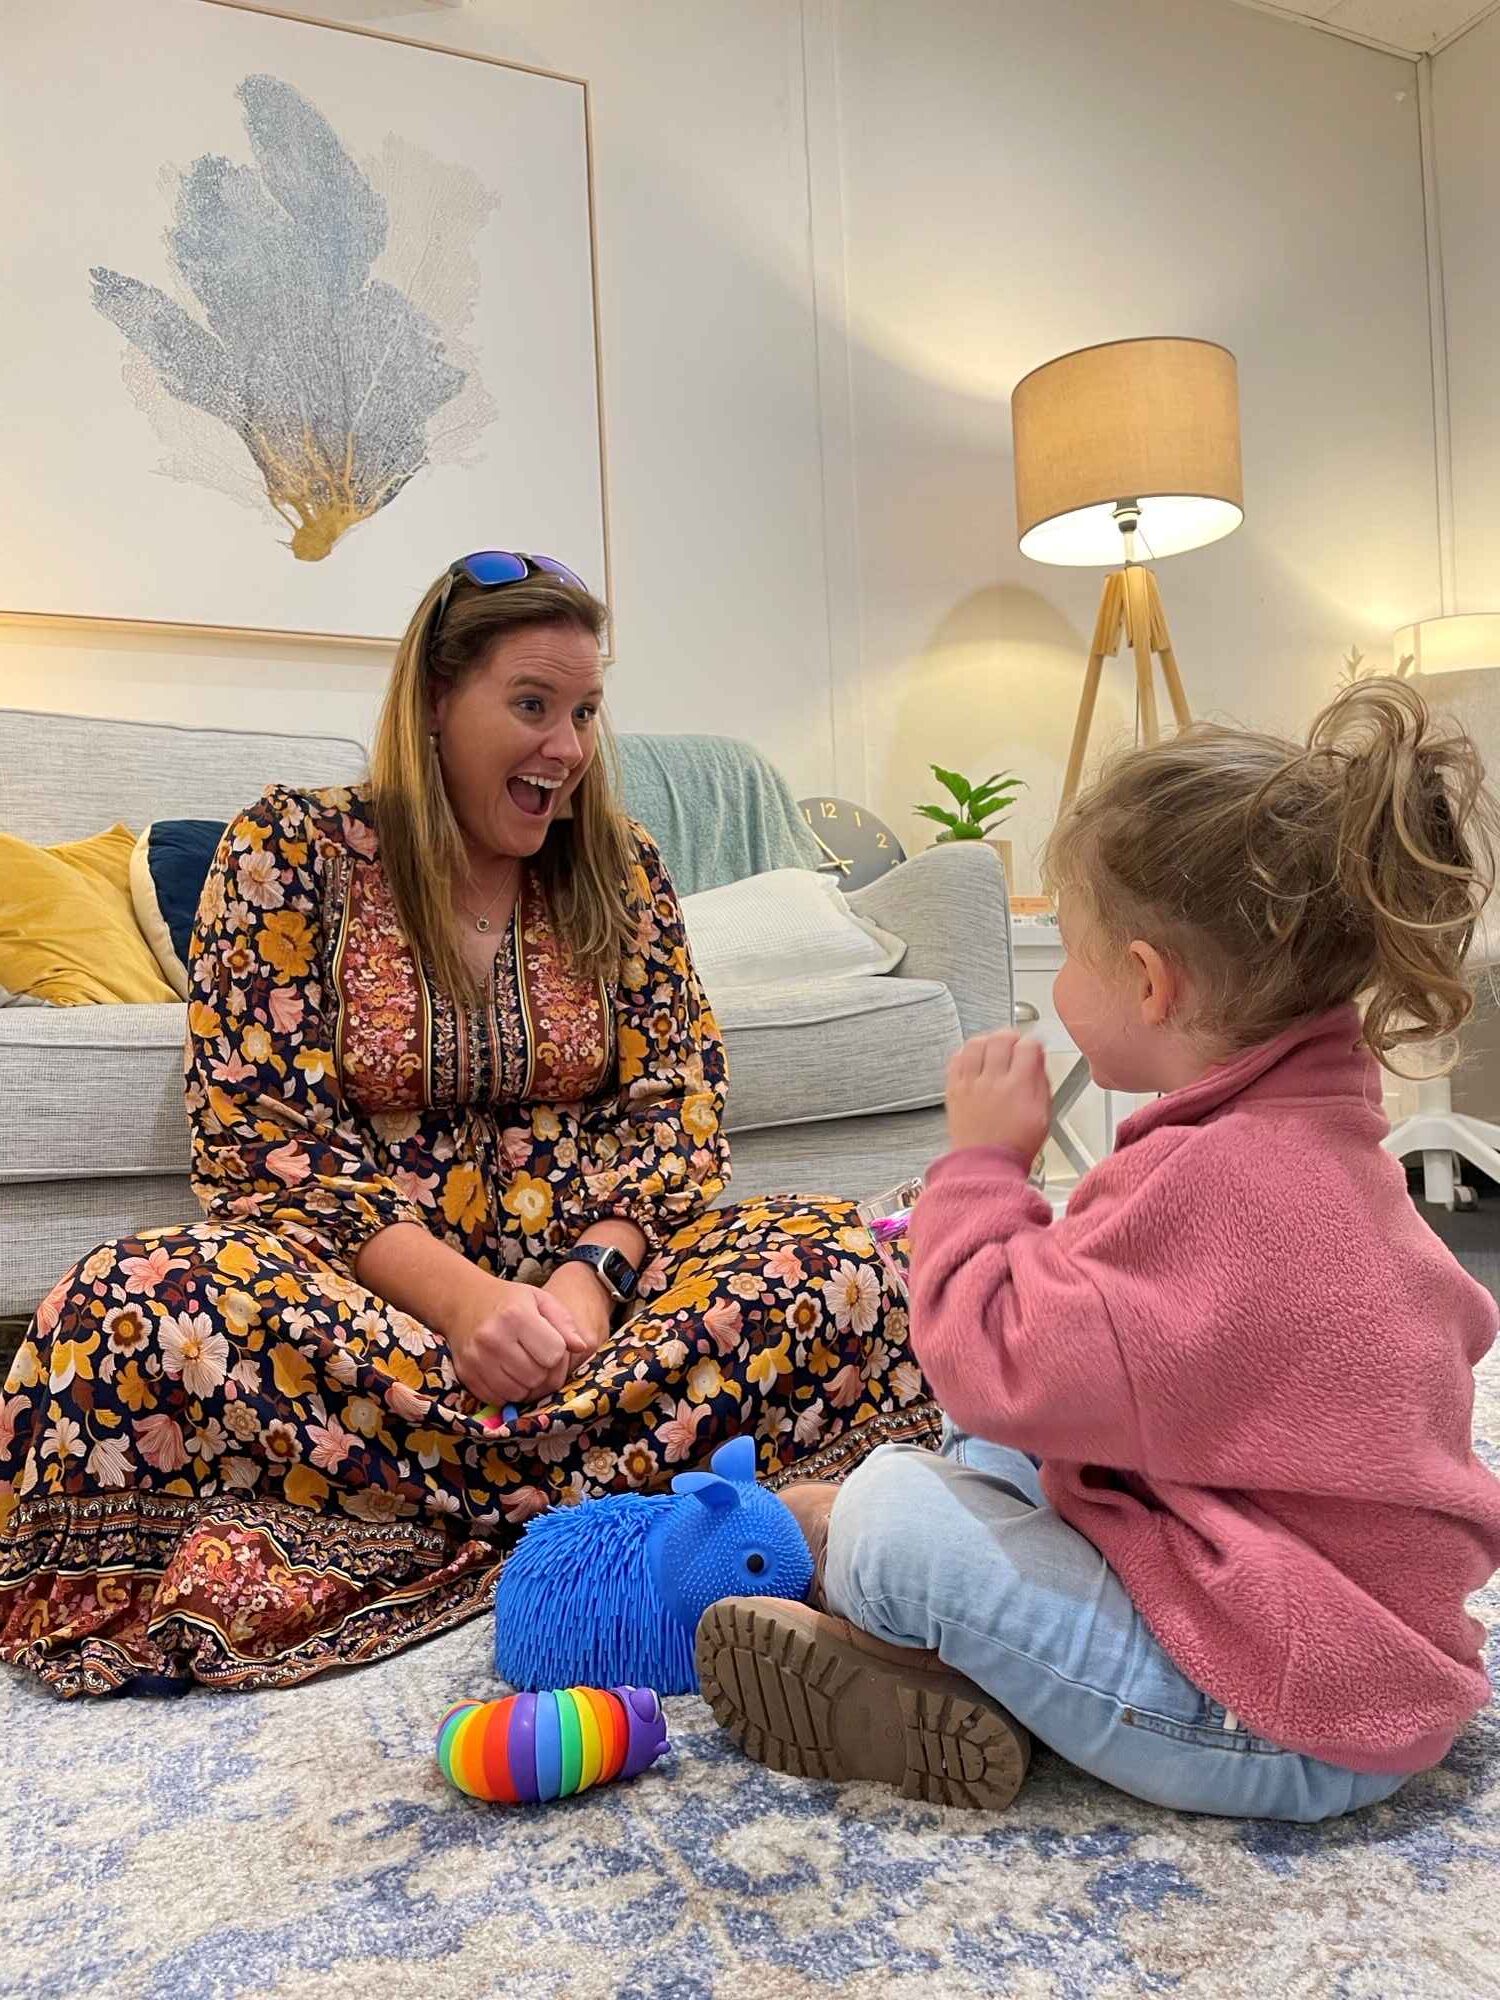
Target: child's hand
998,1094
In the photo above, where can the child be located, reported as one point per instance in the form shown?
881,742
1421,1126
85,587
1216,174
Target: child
1206,1511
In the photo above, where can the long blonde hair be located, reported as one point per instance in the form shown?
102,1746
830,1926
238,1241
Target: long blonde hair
1288,878
586,867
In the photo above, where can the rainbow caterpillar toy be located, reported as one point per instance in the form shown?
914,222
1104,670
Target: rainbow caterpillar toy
527,1748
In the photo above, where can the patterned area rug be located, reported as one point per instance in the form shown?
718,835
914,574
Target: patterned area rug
303,1843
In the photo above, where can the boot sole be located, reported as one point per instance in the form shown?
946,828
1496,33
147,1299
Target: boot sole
797,1696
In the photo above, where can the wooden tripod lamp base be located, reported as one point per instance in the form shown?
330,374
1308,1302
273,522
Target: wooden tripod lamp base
1130,614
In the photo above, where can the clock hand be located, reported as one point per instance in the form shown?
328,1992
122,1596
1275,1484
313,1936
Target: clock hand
834,860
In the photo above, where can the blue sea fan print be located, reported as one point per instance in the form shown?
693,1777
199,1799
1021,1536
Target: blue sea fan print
329,376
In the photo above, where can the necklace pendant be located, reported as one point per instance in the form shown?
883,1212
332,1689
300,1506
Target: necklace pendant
481,923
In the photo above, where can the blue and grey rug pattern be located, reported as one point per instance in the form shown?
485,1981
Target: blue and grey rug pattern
302,1842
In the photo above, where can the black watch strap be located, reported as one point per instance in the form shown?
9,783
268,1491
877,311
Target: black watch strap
612,1267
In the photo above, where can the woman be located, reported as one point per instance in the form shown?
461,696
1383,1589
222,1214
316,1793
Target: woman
455,1097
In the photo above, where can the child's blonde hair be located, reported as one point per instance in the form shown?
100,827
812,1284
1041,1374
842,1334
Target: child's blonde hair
1287,879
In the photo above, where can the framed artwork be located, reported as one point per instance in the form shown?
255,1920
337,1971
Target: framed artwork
295,314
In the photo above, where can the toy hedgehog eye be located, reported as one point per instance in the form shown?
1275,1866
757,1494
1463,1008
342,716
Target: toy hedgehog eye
755,1564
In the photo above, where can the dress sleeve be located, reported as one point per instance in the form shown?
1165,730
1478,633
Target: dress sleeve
653,1150
273,1140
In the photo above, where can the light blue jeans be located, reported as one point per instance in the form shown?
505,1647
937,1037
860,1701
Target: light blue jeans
960,1552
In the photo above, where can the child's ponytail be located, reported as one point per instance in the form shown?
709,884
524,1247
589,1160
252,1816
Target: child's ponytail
1413,854
1289,879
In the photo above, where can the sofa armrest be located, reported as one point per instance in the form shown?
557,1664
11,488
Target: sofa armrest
951,908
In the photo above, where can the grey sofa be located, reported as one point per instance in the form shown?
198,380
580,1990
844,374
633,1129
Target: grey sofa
835,1085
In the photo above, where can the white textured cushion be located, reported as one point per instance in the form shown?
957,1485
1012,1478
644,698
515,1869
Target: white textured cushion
790,924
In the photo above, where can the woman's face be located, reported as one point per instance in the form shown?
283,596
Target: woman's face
516,736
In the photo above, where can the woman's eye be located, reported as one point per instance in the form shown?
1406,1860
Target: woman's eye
529,705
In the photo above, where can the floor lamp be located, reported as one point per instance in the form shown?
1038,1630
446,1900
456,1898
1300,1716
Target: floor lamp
1132,446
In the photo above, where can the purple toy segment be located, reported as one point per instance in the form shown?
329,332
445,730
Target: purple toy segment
647,1726
520,1748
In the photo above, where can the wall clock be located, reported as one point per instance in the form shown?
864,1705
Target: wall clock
857,847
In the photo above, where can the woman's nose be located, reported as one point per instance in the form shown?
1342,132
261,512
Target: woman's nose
562,742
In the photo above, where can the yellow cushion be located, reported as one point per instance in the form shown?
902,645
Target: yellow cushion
67,925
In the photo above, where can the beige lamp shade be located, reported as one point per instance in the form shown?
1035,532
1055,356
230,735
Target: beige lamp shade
1151,421
1451,645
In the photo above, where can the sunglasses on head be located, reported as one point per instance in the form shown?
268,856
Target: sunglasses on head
491,569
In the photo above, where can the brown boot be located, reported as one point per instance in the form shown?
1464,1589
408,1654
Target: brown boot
811,1694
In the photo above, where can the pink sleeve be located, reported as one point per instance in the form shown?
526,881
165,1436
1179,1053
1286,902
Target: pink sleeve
1007,1320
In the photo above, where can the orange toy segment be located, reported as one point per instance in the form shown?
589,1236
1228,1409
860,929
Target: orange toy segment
613,1735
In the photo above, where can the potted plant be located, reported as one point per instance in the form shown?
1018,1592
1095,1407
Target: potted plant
980,809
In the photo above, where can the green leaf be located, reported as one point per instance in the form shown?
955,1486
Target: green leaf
937,813
967,830
952,782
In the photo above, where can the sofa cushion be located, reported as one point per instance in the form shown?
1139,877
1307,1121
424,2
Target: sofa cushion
63,775
167,872
67,927
97,1091
91,1091
788,924
835,1048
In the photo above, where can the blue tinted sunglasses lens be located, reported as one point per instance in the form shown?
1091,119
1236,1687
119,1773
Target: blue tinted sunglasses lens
560,571
487,567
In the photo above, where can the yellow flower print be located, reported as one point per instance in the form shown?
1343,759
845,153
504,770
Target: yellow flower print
700,1119
132,1387
291,1370
400,1367
203,1020
285,943
315,1063
545,1124
240,1312
768,1363
255,1043
26,1368
705,1380
236,1260
632,1054
463,1198
70,1358
529,1200
305,1488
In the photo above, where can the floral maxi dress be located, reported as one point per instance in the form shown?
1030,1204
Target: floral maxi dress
223,1460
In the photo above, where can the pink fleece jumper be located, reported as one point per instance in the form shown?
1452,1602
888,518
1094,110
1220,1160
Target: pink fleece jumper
1246,1364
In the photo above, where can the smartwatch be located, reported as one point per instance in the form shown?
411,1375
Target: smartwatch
612,1267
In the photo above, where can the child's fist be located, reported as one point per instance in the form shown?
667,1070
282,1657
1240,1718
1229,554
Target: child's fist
998,1094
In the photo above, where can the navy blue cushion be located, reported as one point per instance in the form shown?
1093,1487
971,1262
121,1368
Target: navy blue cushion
167,872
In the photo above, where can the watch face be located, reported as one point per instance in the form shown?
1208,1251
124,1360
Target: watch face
621,1273
857,847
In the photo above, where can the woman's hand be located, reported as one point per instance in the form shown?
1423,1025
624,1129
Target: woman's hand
998,1094
513,1343
582,1293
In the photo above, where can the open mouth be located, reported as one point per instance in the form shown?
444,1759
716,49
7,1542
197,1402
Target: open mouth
533,794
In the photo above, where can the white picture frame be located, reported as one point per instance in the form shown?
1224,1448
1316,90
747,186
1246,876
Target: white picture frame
298,313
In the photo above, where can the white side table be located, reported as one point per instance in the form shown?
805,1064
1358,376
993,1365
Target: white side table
1037,956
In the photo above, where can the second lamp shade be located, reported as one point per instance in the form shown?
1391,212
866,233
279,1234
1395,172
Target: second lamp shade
1153,421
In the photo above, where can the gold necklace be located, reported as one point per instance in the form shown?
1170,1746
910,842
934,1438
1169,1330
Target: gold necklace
482,921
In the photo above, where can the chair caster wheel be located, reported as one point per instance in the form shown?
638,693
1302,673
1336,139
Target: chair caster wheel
1465,1200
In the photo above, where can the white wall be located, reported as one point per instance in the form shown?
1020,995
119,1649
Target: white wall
994,182
1465,86
1022,180
709,386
